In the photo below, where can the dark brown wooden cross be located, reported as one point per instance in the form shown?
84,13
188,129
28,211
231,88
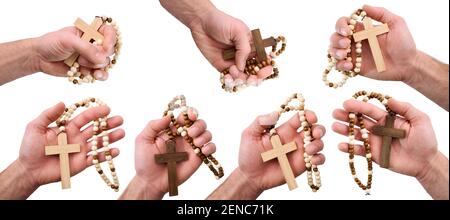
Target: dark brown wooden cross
259,46
387,132
171,158
370,33
63,149
279,151
89,33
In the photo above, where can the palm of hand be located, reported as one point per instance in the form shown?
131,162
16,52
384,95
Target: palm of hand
148,168
410,154
46,169
268,175
398,50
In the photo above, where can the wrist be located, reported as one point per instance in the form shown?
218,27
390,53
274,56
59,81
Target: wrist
248,182
200,16
434,177
150,189
236,187
34,59
413,73
16,182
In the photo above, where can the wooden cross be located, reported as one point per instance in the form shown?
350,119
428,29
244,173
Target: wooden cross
258,46
63,149
90,33
388,132
279,151
370,33
171,158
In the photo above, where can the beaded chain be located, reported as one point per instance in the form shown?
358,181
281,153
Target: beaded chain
332,62
356,118
306,127
179,102
252,66
74,74
100,128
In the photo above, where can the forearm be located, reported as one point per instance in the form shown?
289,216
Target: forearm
14,184
435,178
430,77
236,187
17,59
187,11
140,190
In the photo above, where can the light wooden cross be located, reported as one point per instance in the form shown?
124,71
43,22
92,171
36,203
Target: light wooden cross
63,149
90,33
258,46
279,151
387,132
171,158
370,33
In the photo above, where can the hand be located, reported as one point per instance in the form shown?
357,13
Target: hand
42,169
411,155
152,141
397,46
255,141
217,31
53,48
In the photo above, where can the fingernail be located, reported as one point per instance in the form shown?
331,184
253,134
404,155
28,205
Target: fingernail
99,75
251,83
348,65
239,82
269,119
194,111
343,31
340,54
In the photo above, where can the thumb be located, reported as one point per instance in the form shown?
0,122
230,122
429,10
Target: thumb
261,123
48,116
85,49
154,128
240,38
380,14
406,110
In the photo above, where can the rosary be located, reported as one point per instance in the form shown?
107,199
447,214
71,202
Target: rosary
171,157
255,64
387,132
100,128
91,34
281,150
370,33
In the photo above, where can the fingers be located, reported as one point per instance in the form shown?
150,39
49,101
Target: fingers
314,147
358,149
406,110
261,123
342,115
265,72
192,115
114,136
294,122
342,26
101,156
239,36
100,75
85,49
209,149
48,116
380,14
365,108
90,115
342,129
339,42
318,159
339,54
112,122
109,34
197,128
318,131
203,139
153,128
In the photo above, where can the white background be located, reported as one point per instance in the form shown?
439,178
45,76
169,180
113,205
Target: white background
159,60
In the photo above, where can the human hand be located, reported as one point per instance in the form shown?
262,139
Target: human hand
397,46
411,155
152,141
42,169
53,48
215,32
255,140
